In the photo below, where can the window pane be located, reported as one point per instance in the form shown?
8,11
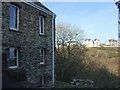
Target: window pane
13,62
40,80
42,52
12,22
41,29
41,59
16,23
13,11
41,24
12,53
42,55
13,17
12,57
44,79
15,52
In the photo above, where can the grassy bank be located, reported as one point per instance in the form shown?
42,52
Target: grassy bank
106,56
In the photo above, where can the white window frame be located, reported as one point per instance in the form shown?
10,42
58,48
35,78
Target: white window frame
16,60
40,25
42,55
11,28
43,80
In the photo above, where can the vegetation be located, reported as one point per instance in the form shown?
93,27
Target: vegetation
102,66
78,62
106,56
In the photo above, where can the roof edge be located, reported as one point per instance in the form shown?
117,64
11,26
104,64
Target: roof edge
38,7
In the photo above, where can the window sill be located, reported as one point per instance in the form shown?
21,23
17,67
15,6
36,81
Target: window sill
42,35
13,67
15,30
42,63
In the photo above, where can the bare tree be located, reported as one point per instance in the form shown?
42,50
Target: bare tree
66,32
68,55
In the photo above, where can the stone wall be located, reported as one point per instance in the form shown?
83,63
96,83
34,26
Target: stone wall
0,45
29,41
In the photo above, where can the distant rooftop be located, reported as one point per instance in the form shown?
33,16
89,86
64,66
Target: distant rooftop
71,41
112,40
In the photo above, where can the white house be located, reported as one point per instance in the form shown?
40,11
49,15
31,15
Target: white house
96,43
111,43
91,43
72,43
88,42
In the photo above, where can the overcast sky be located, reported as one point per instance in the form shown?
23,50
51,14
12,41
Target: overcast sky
97,19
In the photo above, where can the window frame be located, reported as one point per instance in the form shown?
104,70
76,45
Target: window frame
42,55
17,17
16,66
42,80
40,25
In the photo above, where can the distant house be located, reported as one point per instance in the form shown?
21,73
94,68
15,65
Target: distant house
28,40
67,44
88,42
96,43
111,43
71,43
91,43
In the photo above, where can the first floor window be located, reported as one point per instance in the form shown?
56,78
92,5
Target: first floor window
14,17
41,25
42,56
13,57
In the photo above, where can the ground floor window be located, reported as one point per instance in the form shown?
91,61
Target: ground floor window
42,80
13,57
42,56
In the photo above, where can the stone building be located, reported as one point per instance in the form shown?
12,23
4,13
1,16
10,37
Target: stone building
28,41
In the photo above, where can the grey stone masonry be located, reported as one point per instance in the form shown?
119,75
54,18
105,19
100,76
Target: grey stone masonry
0,45
29,42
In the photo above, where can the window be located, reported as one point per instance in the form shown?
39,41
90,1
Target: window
14,17
42,80
42,55
41,25
13,57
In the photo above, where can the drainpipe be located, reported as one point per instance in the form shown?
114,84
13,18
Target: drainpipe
53,46
1,45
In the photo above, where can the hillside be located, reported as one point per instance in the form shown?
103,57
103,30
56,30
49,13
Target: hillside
101,66
107,56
